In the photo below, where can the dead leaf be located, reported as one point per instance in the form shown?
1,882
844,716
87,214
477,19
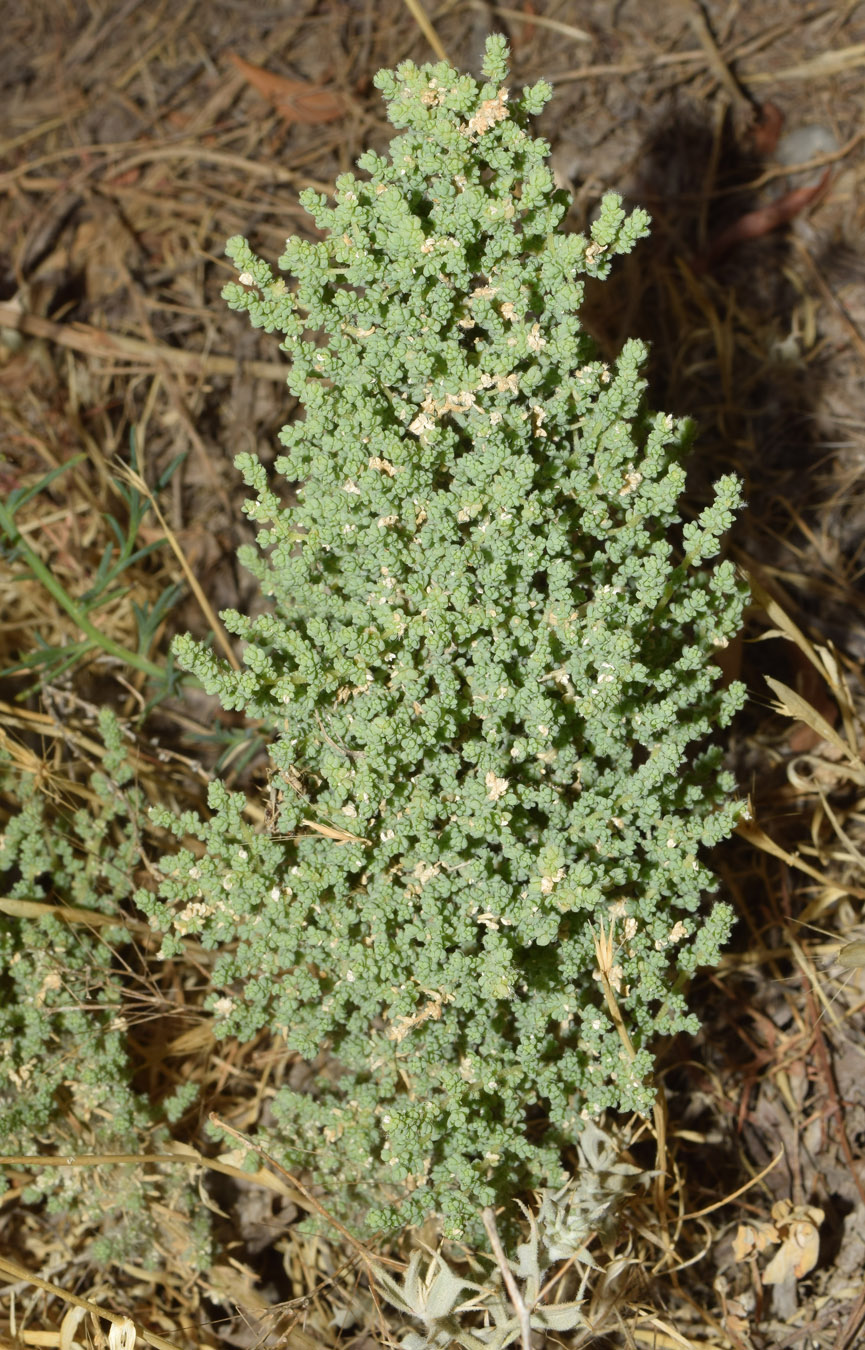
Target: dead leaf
791,704
295,100
796,1228
813,689
753,1237
766,129
762,221
852,956
799,1230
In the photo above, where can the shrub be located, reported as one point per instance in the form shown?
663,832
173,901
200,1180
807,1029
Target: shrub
487,673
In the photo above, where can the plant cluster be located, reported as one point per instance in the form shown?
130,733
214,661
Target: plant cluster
487,676
564,1223
65,1070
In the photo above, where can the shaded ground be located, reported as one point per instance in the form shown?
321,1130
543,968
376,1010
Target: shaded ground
134,145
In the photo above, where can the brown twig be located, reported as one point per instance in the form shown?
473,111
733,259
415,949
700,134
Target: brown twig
523,1313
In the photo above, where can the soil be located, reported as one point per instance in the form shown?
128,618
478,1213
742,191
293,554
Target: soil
134,143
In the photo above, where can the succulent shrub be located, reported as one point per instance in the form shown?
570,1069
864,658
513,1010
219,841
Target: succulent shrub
486,672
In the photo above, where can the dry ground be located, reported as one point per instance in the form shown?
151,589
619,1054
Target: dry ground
133,144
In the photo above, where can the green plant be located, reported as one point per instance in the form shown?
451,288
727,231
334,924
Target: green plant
65,1071
488,673
565,1222
118,557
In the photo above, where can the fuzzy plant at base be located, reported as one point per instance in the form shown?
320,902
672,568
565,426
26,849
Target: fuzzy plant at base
488,672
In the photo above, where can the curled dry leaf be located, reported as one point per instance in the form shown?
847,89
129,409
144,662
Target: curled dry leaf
799,1230
753,1237
295,100
762,221
796,1228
